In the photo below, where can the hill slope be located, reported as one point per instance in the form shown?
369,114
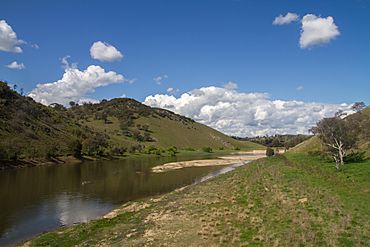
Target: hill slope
30,130
129,122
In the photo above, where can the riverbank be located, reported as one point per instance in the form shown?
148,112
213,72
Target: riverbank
220,161
21,163
274,201
15,164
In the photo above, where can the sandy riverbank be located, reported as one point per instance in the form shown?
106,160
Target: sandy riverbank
220,161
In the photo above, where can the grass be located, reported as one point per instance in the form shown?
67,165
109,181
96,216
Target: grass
290,200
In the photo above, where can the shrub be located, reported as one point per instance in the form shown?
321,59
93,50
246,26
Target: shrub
119,150
152,150
355,157
76,148
270,152
207,149
172,151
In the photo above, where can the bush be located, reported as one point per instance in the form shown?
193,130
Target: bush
355,157
207,149
270,152
152,150
172,151
76,148
119,150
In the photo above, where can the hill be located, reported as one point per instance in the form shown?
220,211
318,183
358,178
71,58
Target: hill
128,122
363,143
30,130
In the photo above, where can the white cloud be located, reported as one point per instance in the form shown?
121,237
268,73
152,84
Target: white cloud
160,78
87,101
245,114
105,52
172,90
74,85
300,88
131,81
35,46
288,18
317,30
8,39
16,65
231,85
66,64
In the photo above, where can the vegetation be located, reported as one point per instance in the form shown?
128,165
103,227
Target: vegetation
344,139
338,136
285,141
31,131
277,201
270,152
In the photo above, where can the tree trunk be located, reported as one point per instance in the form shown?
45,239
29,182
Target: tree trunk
337,162
341,155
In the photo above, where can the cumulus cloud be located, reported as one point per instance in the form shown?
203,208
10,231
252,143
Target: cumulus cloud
245,114
105,52
160,78
317,30
288,18
75,85
8,39
16,65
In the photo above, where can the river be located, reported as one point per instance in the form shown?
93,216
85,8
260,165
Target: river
38,199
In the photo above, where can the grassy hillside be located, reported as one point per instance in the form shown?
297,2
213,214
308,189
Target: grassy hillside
128,122
290,200
29,130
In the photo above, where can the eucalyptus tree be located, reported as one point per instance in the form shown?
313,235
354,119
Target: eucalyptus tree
338,136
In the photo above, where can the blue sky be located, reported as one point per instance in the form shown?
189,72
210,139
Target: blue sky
196,44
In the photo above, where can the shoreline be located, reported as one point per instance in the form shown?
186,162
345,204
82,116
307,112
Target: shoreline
69,159
219,161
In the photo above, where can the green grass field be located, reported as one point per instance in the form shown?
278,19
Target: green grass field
290,200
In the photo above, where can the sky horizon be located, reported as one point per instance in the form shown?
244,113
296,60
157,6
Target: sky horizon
242,67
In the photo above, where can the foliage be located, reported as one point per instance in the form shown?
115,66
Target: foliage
207,149
95,144
286,141
172,151
355,157
338,135
270,152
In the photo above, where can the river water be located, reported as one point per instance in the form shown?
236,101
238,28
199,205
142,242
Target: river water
38,199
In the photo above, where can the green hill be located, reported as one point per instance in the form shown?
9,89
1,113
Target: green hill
128,122
30,130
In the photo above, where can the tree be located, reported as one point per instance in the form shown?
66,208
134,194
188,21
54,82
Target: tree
270,152
358,106
338,136
72,104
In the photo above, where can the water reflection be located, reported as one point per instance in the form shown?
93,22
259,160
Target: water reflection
34,200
